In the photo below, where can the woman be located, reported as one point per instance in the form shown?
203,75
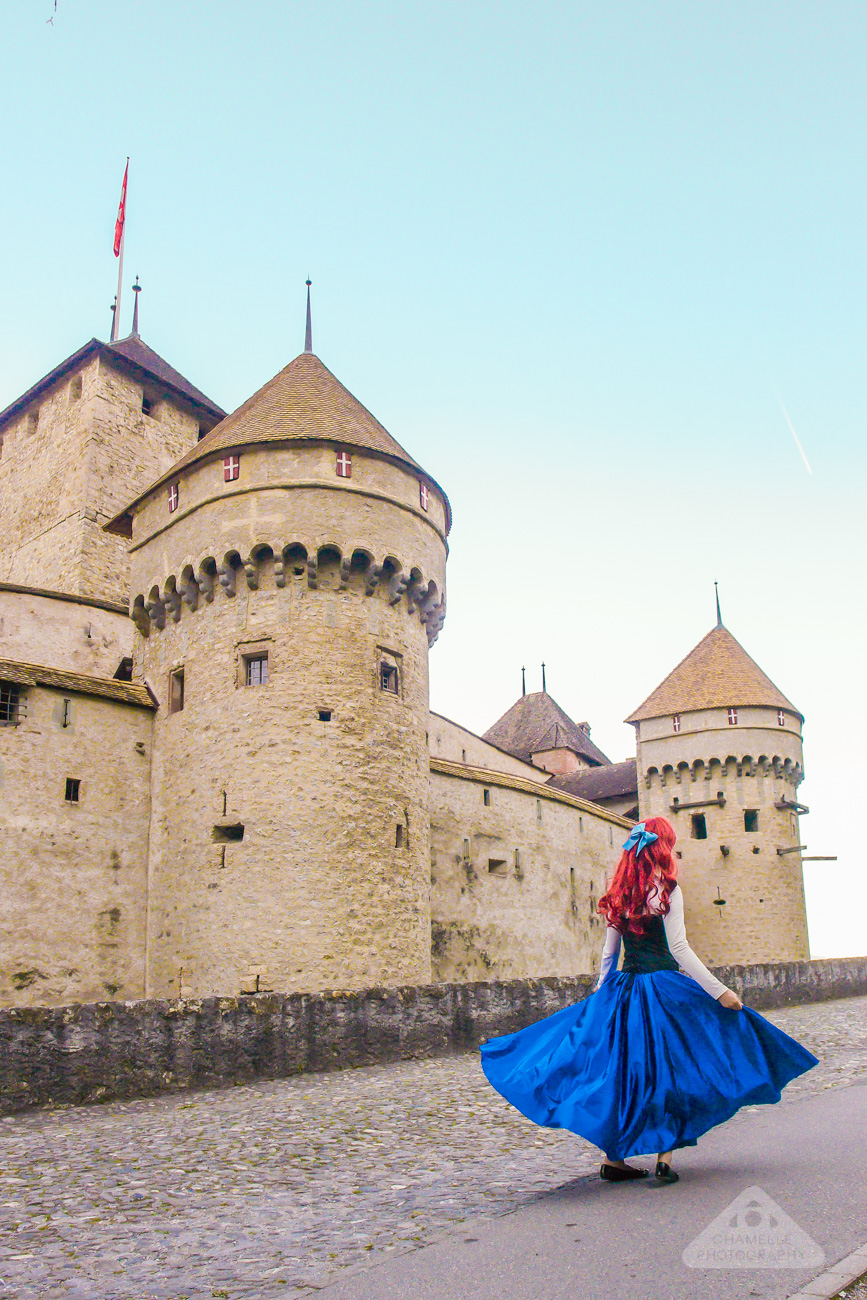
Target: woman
655,1057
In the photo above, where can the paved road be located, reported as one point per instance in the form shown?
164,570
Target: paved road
285,1189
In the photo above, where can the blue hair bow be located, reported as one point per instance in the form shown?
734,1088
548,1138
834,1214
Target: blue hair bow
639,838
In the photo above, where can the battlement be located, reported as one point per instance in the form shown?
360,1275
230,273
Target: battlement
324,568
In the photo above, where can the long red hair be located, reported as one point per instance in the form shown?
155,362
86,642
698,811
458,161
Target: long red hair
624,903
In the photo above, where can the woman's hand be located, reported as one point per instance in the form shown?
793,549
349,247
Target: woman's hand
730,1000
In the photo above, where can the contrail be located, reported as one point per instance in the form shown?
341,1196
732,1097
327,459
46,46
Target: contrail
792,427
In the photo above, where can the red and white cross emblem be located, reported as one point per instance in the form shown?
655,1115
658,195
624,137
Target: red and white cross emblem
344,465
173,497
231,468
423,495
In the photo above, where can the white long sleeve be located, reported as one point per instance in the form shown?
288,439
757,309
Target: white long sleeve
690,964
610,953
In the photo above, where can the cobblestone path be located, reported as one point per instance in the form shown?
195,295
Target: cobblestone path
264,1190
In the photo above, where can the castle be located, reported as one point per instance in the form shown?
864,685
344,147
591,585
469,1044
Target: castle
219,772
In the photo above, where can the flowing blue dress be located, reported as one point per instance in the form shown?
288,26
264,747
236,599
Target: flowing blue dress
648,1062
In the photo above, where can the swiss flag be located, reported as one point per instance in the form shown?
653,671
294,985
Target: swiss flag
121,213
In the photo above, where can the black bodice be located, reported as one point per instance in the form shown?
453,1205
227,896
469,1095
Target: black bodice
648,951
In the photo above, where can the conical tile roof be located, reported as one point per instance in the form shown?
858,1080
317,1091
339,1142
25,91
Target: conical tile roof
536,723
717,674
305,402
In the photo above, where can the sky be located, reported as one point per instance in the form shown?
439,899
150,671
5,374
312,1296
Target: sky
575,257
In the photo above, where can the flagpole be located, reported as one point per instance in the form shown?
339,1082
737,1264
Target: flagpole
114,328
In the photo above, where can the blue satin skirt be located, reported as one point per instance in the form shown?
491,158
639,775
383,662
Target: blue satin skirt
647,1063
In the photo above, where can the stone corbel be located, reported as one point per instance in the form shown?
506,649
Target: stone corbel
313,572
190,594
345,569
205,584
279,571
157,612
172,603
399,584
251,569
227,578
140,619
372,579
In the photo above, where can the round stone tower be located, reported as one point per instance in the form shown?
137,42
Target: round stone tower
719,755
288,577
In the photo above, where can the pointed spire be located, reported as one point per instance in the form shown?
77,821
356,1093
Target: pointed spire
308,334
113,335
719,621
544,687
136,290
523,681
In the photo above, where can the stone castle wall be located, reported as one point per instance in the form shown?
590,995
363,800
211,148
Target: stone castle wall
450,741
326,771
70,1055
73,635
754,766
516,873
71,461
73,875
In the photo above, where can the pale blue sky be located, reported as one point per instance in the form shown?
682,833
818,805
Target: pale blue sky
564,252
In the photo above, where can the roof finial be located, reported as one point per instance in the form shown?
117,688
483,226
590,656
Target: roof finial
136,290
113,319
544,687
308,334
719,621
523,681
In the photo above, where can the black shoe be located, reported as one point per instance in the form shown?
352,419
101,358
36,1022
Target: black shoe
614,1174
665,1173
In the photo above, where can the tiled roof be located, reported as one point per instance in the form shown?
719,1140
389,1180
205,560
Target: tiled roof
305,402
130,354
536,723
134,350
608,782
79,683
717,674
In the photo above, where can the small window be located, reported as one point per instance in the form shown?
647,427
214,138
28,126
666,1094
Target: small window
751,819
75,388
463,756
733,717
32,421
10,701
174,497
398,836
124,670
781,718
486,798
699,826
581,825
231,468
66,714
675,722
344,465
423,495
497,866
388,678
256,670
73,787
176,690
147,405
324,715
227,834
538,810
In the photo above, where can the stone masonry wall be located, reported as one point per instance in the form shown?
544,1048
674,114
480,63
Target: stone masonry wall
73,875
68,465
516,873
39,628
97,1052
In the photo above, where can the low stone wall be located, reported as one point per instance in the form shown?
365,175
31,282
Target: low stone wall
107,1050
